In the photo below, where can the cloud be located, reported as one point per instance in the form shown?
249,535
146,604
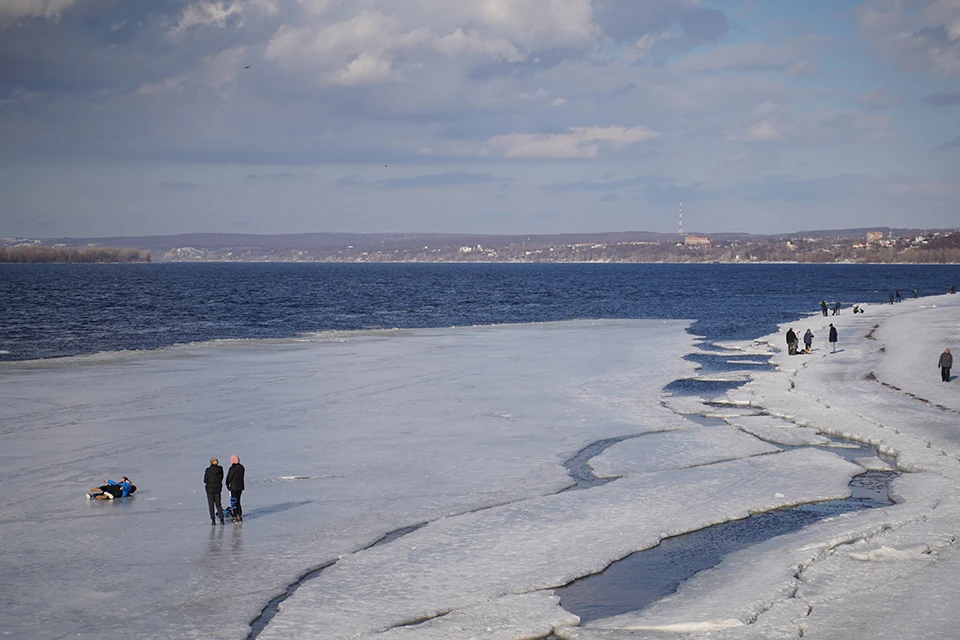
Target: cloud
949,144
792,56
943,99
379,41
916,36
259,178
436,180
577,142
606,184
14,11
211,13
610,197
772,122
878,100
627,21
177,185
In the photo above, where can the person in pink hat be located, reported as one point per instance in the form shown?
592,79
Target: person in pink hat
235,487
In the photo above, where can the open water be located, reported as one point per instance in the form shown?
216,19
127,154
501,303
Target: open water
52,310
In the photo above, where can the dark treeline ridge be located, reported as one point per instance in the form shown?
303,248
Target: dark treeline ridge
40,253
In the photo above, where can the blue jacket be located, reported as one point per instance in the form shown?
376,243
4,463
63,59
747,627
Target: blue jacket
126,486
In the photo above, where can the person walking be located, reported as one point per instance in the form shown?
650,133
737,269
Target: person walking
235,487
791,342
946,362
808,341
833,338
836,308
213,482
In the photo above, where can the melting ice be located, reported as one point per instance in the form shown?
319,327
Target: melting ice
463,431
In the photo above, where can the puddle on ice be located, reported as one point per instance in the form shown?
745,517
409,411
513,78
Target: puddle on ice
719,363
645,577
704,388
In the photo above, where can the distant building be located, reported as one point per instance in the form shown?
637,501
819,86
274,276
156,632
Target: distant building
874,236
696,241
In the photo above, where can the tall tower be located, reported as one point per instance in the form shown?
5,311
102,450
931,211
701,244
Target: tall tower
680,219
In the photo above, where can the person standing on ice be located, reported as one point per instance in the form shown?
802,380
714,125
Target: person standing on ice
946,361
791,342
808,341
833,338
823,307
235,487
213,483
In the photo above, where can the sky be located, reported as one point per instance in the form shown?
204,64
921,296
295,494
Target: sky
120,117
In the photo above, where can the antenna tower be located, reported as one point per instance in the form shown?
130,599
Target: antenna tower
680,219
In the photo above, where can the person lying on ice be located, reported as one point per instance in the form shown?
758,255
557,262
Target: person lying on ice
112,489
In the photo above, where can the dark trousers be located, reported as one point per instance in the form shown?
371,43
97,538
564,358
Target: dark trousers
112,489
216,509
945,374
235,502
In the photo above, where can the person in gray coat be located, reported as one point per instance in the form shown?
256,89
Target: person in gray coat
946,361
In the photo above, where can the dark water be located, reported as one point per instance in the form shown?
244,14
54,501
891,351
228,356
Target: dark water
642,578
49,310
647,576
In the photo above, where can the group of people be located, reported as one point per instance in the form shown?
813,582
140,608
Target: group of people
111,490
792,341
824,307
213,483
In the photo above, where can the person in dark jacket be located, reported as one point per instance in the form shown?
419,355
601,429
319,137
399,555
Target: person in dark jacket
823,307
833,338
213,482
946,361
235,487
791,342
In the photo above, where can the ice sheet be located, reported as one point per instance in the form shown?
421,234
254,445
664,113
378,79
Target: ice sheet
778,431
883,573
540,543
464,431
677,450
344,440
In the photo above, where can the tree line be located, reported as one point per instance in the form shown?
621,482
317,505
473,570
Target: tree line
39,253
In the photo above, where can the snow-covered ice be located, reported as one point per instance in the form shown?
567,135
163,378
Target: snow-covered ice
461,434
882,573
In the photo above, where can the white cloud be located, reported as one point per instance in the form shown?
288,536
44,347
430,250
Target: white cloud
462,43
331,40
210,13
792,56
366,69
775,122
916,36
12,11
577,142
